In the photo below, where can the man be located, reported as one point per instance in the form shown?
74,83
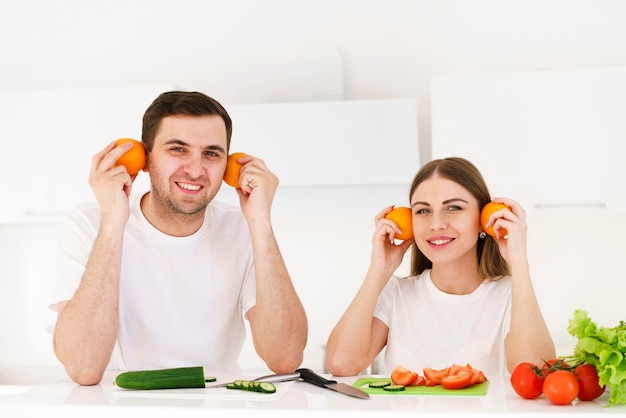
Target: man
165,279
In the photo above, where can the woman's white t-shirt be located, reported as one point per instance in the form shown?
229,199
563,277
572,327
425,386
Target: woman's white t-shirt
429,328
182,299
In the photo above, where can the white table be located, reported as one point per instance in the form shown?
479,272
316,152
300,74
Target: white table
68,399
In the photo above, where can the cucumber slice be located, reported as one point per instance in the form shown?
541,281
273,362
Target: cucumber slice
210,379
379,384
267,387
394,388
263,387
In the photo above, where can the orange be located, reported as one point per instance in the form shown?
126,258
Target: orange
231,175
134,159
403,217
486,213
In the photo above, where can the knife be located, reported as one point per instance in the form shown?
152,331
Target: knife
271,378
310,376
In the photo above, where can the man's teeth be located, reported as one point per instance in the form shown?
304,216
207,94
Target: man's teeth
189,186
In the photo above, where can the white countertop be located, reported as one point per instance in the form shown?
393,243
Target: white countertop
65,397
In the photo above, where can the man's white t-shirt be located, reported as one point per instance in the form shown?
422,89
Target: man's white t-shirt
182,299
429,328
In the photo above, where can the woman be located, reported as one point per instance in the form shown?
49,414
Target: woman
469,298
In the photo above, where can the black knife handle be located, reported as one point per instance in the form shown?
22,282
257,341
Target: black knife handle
310,376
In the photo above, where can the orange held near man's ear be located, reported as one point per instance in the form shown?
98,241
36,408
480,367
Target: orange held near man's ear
135,159
486,212
403,217
231,175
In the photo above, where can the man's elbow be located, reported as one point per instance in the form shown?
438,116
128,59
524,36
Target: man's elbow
85,377
285,364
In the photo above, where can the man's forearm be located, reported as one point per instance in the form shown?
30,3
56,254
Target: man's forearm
87,325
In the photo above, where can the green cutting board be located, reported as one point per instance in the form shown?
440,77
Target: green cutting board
362,383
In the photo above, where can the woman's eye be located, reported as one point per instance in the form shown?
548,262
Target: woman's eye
422,211
454,208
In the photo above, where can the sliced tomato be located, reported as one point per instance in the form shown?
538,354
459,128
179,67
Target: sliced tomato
456,369
435,375
403,376
421,381
456,381
478,377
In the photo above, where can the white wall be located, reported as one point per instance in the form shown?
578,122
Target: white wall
240,51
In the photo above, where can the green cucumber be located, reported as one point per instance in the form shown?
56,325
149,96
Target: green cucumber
181,377
379,384
267,387
252,386
394,388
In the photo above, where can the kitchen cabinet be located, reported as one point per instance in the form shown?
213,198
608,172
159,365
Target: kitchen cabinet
550,139
50,137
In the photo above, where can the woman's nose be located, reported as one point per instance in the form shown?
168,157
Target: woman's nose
437,222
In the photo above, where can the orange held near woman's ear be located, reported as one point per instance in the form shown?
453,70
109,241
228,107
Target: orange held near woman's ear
231,175
403,217
134,159
486,212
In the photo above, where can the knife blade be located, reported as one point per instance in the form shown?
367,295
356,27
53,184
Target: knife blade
271,378
310,376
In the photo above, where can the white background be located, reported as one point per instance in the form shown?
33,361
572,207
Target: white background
242,51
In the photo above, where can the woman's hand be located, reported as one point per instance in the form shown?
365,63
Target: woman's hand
512,243
386,253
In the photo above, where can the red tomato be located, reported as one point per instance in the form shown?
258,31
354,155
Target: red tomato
589,388
561,387
478,376
403,376
554,365
456,381
527,380
435,375
421,381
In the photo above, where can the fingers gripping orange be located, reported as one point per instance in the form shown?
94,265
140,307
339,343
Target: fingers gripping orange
134,159
403,217
486,212
231,175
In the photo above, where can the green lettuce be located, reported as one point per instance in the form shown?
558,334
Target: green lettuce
605,348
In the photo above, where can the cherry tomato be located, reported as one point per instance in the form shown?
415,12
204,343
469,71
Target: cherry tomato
403,376
456,381
561,387
589,387
554,365
527,380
